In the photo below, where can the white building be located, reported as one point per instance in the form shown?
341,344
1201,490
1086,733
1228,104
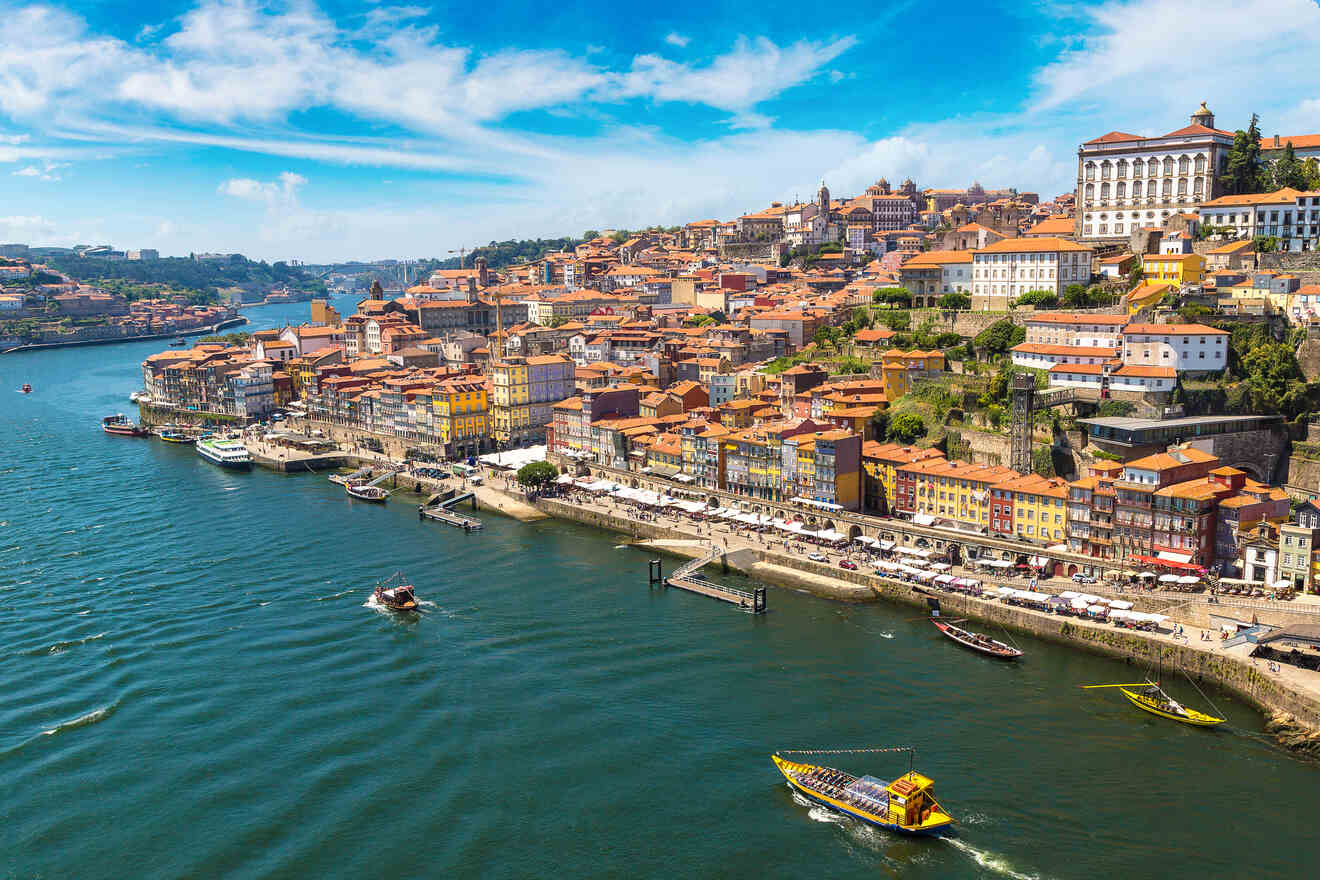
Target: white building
1007,269
1287,214
1127,378
1185,348
1042,356
1076,328
1126,181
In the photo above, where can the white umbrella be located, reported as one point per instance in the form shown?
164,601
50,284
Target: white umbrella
1189,579
1168,579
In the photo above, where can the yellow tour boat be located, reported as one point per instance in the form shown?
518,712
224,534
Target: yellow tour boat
906,805
1152,698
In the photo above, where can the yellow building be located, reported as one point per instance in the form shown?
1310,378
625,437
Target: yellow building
1147,296
956,490
1039,511
461,415
510,396
879,461
1179,269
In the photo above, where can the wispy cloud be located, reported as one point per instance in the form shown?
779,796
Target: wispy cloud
46,171
677,39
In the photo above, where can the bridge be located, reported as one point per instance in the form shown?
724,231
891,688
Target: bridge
688,577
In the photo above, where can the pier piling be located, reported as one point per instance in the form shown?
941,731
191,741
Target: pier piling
656,577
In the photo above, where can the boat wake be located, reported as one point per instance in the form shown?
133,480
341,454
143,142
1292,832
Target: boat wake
886,635
83,720
61,647
990,861
335,596
816,812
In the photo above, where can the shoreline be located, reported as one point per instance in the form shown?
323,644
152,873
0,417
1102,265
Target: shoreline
237,321
1291,715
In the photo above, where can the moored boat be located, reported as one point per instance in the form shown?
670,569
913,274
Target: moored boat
976,641
906,805
226,452
1150,697
27,389
120,426
396,594
173,435
364,492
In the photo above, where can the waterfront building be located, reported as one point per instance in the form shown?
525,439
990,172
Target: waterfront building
1298,564
1127,181
957,491
1030,507
1090,519
1134,520
523,390
880,462
460,414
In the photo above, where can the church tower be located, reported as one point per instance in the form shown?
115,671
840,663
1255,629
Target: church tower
1203,116
823,198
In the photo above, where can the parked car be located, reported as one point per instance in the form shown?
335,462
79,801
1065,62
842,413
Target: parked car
1080,578
848,564
818,557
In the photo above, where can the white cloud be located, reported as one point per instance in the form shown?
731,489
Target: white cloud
677,39
46,171
753,71
282,191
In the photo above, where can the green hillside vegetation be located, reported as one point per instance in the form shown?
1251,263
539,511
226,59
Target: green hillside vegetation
199,280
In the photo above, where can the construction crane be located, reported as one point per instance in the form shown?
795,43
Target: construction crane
462,257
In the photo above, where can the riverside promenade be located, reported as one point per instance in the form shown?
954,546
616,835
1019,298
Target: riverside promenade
1288,696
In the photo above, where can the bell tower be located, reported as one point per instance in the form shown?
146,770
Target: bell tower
823,198
1203,116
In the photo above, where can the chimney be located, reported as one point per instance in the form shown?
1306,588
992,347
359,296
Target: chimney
1276,142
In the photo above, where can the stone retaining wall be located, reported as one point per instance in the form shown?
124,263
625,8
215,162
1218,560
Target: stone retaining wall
1230,672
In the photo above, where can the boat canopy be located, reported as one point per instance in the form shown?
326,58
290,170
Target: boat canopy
870,790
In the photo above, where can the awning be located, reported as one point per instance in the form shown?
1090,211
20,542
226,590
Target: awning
922,519
1170,556
1039,561
886,545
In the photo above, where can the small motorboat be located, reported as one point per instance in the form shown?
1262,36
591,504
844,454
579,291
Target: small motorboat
120,426
363,492
179,343
174,435
27,389
906,805
976,641
396,594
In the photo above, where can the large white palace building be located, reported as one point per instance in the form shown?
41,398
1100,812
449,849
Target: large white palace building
1126,181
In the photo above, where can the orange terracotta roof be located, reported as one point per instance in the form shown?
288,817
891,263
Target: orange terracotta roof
1033,245
1172,330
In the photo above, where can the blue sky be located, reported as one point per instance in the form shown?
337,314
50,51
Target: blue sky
340,130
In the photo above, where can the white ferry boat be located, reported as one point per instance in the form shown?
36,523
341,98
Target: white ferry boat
226,452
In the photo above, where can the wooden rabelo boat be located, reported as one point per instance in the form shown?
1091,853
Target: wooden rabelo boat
906,805
27,388
120,426
1150,697
976,641
395,594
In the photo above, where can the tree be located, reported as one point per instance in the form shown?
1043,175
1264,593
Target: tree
1041,299
1000,336
1287,170
1042,461
1242,173
955,300
894,297
880,423
536,474
994,414
906,428
1311,174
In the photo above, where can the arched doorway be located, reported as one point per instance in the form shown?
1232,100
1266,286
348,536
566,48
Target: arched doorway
1072,570
854,531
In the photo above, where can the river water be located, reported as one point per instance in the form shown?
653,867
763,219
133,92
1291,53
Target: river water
193,687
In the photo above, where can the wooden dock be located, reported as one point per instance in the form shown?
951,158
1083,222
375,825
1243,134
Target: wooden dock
444,512
688,577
